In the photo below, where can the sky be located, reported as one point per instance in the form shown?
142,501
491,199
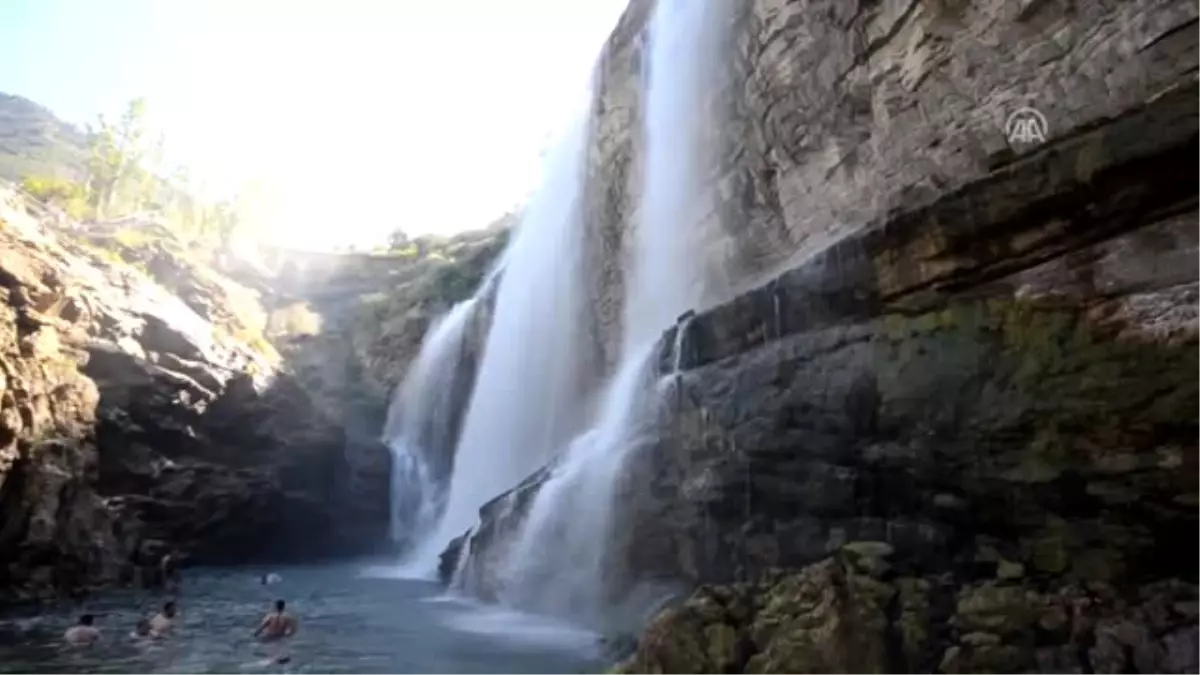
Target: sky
358,116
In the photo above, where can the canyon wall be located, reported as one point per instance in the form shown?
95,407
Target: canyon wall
976,415
841,112
143,413
1038,351
957,370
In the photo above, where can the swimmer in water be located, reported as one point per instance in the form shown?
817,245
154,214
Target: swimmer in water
141,630
164,622
84,633
277,624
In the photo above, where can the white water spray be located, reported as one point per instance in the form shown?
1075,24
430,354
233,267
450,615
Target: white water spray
421,426
528,393
673,266
560,559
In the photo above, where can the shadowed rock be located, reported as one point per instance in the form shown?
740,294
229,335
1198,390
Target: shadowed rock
132,426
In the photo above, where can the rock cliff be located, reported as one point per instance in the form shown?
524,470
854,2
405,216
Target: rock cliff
1004,395
144,412
831,114
962,367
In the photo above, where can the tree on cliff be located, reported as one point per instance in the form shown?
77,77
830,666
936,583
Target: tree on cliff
125,173
123,157
398,239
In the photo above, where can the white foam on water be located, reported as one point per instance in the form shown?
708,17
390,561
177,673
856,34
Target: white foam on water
514,627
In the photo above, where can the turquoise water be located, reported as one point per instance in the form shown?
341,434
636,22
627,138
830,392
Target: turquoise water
350,622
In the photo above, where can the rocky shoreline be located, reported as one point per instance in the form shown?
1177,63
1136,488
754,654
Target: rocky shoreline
860,612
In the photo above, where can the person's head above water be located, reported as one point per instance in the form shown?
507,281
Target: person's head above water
87,620
169,609
279,605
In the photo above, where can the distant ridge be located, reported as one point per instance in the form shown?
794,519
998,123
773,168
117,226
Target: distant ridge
33,140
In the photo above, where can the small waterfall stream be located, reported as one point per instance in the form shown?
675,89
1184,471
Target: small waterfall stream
422,425
559,557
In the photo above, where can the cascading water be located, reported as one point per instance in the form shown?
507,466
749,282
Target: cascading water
674,266
528,394
559,555
422,425
558,563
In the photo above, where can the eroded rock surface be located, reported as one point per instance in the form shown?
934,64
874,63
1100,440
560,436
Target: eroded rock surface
851,613
132,425
1008,369
831,114
994,395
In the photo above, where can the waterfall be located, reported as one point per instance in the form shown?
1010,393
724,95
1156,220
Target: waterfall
528,393
529,405
560,554
674,267
559,562
423,424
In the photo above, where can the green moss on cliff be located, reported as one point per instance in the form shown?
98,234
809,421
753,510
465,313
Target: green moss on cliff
831,616
1041,357
387,326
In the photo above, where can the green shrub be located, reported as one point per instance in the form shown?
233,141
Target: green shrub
133,237
409,251
59,192
295,319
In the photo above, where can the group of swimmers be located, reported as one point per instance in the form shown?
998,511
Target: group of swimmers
276,625
86,633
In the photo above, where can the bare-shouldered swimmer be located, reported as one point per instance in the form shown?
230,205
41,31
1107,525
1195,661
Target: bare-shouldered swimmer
277,624
84,633
164,622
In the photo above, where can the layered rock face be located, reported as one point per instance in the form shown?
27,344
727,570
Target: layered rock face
979,366
999,386
56,531
1004,350
841,112
137,422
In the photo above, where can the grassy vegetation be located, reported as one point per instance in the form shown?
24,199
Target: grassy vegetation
295,319
64,193
248,336
133,238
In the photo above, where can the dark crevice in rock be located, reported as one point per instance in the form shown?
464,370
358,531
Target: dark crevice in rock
873,47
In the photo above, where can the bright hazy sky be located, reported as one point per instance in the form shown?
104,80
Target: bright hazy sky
361,115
